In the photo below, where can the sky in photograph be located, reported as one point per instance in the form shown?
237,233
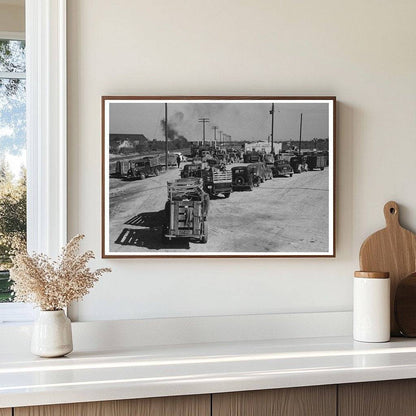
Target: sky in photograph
243,121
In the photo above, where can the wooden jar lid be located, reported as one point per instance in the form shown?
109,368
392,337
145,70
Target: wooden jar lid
372,275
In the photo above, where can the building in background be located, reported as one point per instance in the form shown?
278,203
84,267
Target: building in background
262,147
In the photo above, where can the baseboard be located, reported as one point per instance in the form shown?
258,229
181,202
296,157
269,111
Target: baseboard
169,331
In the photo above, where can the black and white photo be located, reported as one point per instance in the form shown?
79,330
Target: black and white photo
218,176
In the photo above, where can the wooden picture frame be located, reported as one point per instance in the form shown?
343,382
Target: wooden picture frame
228,143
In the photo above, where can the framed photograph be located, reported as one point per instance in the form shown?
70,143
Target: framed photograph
218,176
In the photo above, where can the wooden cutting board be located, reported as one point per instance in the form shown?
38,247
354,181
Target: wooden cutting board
393,250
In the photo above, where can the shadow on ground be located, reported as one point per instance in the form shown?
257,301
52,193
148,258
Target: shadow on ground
148,219
150,237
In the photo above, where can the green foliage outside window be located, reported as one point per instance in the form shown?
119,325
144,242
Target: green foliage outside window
12,223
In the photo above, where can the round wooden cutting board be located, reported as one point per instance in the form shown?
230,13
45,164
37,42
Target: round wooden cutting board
393,250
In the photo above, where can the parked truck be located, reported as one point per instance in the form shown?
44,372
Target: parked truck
186,210
217,182
192,170
119,168
316,161
172,160
252,157
144,167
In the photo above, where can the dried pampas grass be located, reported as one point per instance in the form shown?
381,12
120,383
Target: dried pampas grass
53,285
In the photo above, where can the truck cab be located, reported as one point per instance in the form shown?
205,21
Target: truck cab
192,170
217,181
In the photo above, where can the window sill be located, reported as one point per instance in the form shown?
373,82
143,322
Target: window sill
16,313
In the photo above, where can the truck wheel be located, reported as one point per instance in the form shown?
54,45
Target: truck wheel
291,175
227,195
322,168
142,175
239,181
165,240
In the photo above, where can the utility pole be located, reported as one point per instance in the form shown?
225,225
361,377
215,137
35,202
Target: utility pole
271,136
220,138
215,135
166,136
300,134
203,120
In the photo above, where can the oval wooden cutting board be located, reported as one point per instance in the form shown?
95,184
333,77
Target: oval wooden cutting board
393,250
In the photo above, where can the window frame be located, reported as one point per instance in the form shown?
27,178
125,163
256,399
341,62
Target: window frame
46,137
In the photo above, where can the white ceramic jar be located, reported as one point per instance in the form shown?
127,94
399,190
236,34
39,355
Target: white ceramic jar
52,334
371,305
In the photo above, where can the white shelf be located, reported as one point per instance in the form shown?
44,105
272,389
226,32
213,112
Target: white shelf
151,371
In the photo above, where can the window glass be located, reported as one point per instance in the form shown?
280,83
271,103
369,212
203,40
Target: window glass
12,56
12,156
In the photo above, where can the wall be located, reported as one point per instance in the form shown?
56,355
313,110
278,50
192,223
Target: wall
362,52
12,18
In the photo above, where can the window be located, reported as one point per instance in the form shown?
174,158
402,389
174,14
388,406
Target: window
45,90
12,154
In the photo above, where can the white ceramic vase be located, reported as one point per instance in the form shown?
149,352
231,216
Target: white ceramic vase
52,334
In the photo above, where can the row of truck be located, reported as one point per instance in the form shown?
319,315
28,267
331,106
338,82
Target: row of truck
187,207
142,167
207,176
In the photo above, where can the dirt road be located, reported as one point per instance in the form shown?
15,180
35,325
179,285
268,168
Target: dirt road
282,215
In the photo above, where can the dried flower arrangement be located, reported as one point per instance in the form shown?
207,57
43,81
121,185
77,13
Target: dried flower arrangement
53,285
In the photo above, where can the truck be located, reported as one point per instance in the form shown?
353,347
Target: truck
144,167
252,157
186,210
192,170
316,161
172,160
217,181
119,168
296,161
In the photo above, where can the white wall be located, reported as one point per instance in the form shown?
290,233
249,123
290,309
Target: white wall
361,51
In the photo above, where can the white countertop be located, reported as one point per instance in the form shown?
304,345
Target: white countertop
93,375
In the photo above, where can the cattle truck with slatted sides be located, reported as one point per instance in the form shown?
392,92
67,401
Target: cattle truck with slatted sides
186,210
119,168
217,182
